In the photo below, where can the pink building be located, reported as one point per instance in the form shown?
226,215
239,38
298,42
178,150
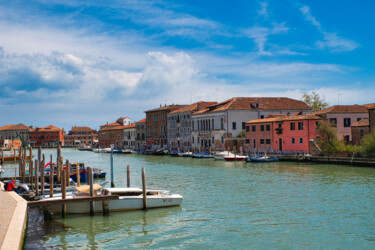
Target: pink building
282,133
342,117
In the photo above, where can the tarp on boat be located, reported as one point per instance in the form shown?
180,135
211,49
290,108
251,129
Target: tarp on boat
86,188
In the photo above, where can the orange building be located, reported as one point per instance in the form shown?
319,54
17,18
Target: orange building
48,136
81,136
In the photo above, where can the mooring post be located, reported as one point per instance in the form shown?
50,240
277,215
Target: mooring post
63,192
37,176
58,170
78,175
31,173
67,167
15,174
112,181
42,172
128,176
51,178
144,189
2,156
40,153
88,175
31,153
91,177
105,207
14,155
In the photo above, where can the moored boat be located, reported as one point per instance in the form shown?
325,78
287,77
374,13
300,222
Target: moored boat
261,159
235,158
129,199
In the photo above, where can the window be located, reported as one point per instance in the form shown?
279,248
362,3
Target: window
262,117
268,141
243,125
361,133
333,122
347,122
247,141
253,128
222,123
247,129
213,139
261,141
301,140
300,125
268,127
234,126
261,127
358,119
293,140
192,139
292,126
222,140
213,124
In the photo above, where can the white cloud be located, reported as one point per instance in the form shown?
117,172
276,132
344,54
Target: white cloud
263,9
306,11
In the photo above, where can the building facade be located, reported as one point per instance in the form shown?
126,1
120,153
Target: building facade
359,130
224,121
113,133
130,136
283,133
12,135
341,117
49,136
140,128
179,125
156,125
81,136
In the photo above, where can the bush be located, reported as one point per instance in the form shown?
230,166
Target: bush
368,144
329,143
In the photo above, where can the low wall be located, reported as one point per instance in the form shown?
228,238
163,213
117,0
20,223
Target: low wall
13,216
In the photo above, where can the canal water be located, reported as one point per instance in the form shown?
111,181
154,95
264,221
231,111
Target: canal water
226,205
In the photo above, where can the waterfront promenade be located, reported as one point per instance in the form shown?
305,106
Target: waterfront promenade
13,215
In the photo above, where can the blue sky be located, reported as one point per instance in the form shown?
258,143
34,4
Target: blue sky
88,62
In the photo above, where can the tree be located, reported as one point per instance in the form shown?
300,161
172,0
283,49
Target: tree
368,144
315,101
242,134
328,142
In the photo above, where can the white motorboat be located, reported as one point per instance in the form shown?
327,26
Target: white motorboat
221,155
235,158
129,199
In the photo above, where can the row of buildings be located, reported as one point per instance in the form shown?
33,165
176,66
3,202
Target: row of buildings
247,123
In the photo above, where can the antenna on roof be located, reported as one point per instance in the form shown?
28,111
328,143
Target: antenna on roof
338,98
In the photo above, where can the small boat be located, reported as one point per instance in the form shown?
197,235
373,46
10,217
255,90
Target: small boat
174,153
221,155
127,151
186,154
235,158
129,199
10,158
202,155
261,159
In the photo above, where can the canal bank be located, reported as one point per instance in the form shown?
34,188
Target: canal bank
13,216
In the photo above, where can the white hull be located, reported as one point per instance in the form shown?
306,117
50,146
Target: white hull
122,204
220,156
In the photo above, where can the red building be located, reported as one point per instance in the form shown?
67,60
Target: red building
81,136
47,137
113,133
282,133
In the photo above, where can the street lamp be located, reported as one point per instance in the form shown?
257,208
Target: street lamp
112,182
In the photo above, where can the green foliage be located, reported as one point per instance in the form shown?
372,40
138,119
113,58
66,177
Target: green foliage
315,101
242,134
368,144
329,143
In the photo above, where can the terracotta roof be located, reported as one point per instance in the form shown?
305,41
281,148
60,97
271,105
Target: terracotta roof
119,127
166,108
286,118
19,126
112,124
142,121
370,105
258,103
362,123
49,128
343,109
75,128
130,126
194,107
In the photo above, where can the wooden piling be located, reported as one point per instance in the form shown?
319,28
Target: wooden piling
90,177
63,192
30,153
31,173
105,207
67,167
37,176
15,173
78,175
128,176
58,170
88,169
144,189
40,153
42,172
14,155
2,156
51,178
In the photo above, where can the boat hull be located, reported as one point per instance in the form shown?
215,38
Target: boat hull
122,204
255,159
235,158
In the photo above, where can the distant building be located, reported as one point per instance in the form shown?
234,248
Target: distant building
49,136
81,136
225,120
342,117
129,136
156,125
140,128
363,127
179,125
11,135
282,133
113,133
